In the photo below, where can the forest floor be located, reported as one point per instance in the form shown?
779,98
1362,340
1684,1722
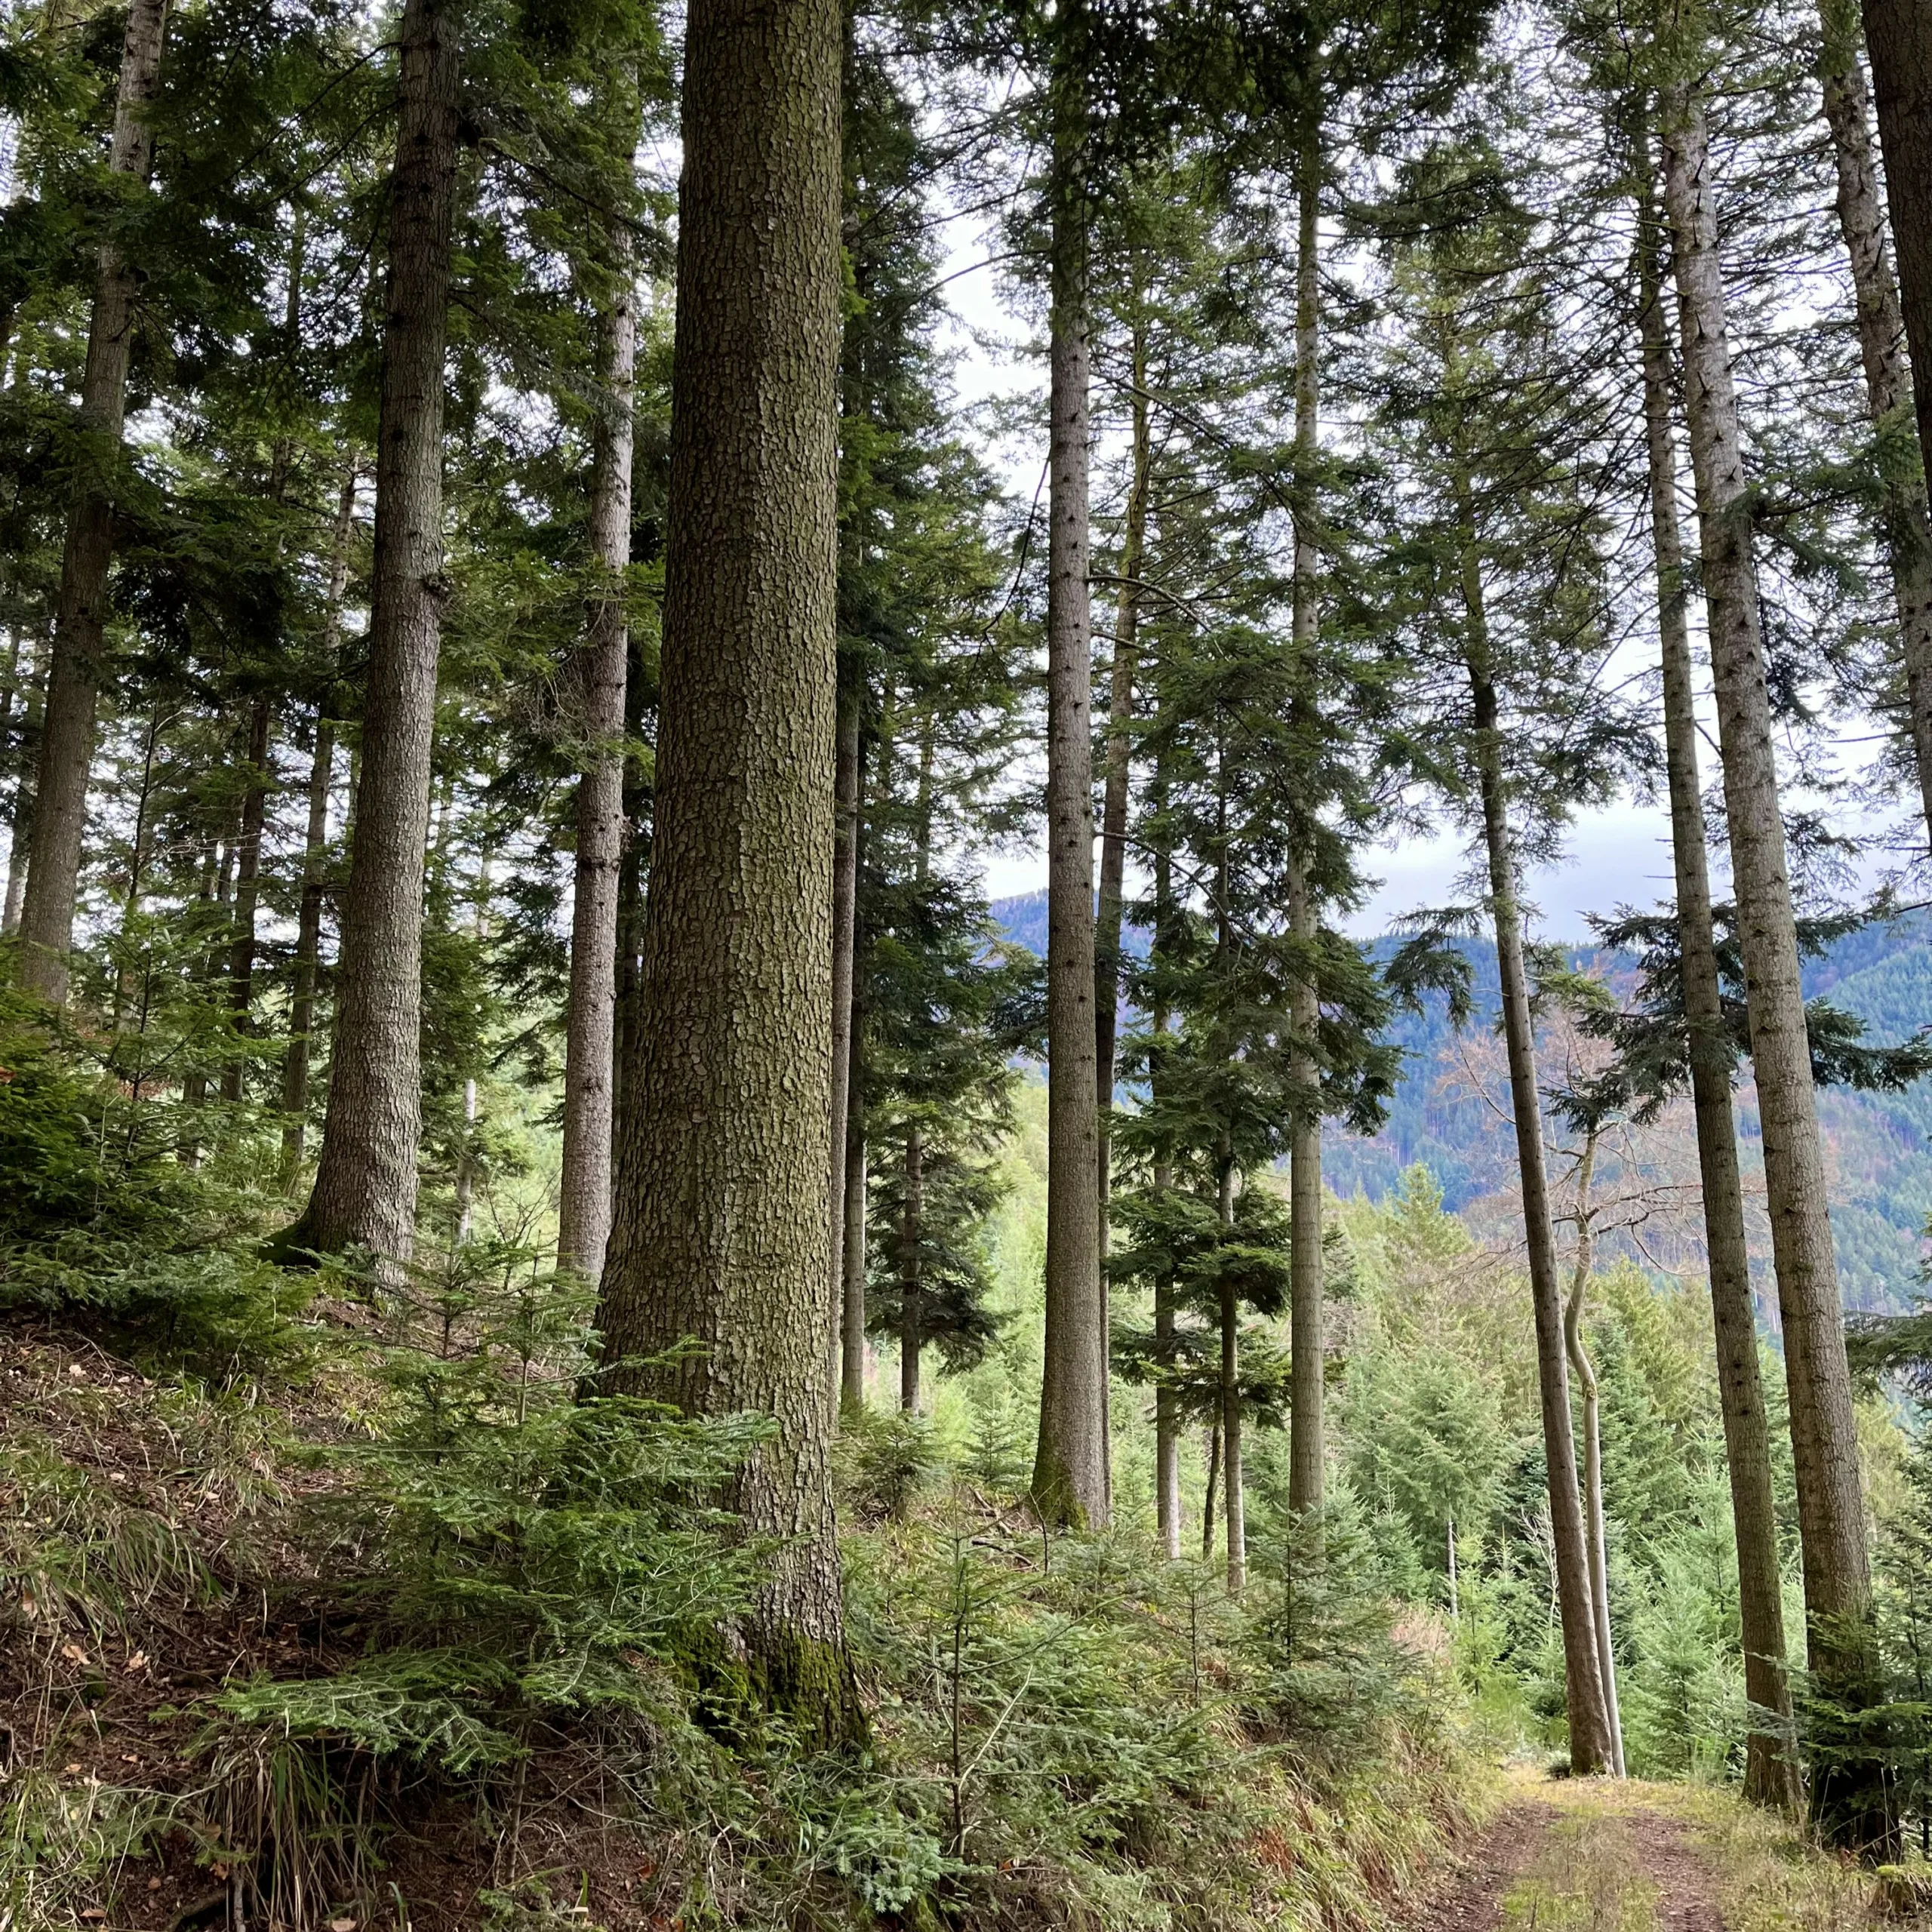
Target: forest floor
1595,1856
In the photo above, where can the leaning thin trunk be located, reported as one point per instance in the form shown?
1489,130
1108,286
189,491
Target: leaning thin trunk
295,1066
1070,1467
1586,1382
19,834
1771,1775
1166,1399
1208,1516
1590,1749
1898,36
77,665
583,1213
1849,1794
365,1183
722,1232
1307,1449
1888,387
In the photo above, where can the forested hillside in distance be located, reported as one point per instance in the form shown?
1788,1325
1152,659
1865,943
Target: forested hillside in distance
1880,1143
591,1340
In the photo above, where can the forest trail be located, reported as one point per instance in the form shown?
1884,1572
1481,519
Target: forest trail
1581,1857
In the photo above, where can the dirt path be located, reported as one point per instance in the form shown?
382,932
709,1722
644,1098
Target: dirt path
1587,1858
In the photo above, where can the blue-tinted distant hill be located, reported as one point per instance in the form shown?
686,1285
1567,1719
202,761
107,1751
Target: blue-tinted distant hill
1880,1145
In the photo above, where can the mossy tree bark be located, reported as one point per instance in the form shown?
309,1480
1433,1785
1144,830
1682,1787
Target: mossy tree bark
1848,1794
583,1222
364,1193
75,665
724,1168
1770,1775
1070,1465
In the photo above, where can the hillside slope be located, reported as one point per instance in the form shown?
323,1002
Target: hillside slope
1877,1143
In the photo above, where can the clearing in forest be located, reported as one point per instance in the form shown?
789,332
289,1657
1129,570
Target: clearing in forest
1594,1856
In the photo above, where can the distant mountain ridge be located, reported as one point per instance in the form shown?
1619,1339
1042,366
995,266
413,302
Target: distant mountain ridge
1881,1145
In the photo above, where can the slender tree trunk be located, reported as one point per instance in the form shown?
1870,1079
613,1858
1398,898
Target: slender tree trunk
852,1251
1888,387
630,903
1898,35
365,1183
295,1066
583,1213
217,884
76,663
848,782
1590,1749
721,1230
1113,854
1770,1775
1167,1401
1208,1515
1233,1487
1070,1467
1586,1382
19,836
1307,1446
247,894
911,1233
1848,1794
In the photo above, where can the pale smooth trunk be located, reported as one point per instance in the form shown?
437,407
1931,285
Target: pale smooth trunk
1771,1774
1837,1567
584,1215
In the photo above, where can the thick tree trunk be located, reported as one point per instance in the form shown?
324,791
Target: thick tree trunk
1888,387
1307,1446
19,833
1848,1795
847,783
1070,1468
1590,1749
721,1231
365,1183
75,665
1898,34
1770,1775
295,1066
584,1209
247,894
911,1210
1593,1515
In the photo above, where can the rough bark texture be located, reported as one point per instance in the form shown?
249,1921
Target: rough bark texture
1898,35
1888,386
365,1183
314,853
721,1232
1070,1467
583,1210
1586,1383
848,780
1307,1449
247,892
75,666
1590,1749
1837,1585
1770,1775
851,1286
